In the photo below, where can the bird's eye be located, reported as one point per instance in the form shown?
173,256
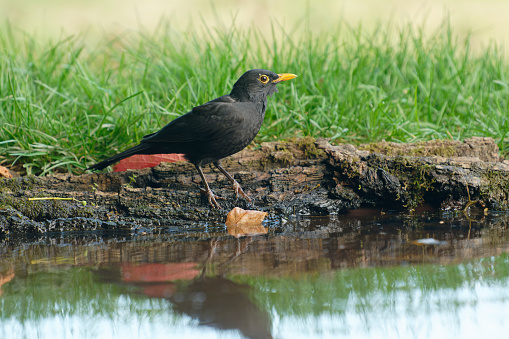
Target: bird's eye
264,79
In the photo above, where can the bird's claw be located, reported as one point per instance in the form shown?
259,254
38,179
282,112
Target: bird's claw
211,197
238,190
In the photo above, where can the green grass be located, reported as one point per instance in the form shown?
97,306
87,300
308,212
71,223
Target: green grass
78,291
64,106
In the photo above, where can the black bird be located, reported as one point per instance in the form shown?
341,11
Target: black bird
214,130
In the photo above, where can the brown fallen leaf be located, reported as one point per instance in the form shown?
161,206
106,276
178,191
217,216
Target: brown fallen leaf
246,230
4,172
241,222
238,216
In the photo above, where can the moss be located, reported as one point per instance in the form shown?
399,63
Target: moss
496,191
382,147
281,154
415,178
308,146
422,183
285,152
41,210
5,200
284,157
16,185
264,162
420,149
351,168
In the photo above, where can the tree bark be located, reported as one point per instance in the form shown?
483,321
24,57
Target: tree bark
299,176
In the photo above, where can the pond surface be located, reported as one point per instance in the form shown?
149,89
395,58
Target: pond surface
368,274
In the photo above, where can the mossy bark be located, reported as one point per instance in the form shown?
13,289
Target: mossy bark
447,182
297,176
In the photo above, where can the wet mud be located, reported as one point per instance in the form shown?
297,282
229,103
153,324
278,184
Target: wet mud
302,176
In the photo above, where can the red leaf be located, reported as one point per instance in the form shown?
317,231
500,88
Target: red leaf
155,272
139,161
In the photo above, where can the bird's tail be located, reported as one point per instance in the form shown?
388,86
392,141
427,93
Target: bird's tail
139,149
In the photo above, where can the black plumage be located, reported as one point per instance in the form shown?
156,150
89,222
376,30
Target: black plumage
214,130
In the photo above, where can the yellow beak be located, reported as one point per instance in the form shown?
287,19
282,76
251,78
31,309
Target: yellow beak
284,77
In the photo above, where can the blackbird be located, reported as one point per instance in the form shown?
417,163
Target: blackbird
214,130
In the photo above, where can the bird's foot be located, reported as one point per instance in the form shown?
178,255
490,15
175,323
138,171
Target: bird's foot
238,190
211,197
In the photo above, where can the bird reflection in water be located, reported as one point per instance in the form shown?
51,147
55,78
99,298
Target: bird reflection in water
223,304
214,301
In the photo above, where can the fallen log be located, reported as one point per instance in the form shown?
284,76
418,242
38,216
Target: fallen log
471,172
298,176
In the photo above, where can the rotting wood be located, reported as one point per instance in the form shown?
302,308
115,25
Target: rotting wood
412,180
299,176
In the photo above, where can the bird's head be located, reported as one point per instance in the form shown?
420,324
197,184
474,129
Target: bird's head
257,84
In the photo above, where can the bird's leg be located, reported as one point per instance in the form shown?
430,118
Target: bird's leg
236,187
207,191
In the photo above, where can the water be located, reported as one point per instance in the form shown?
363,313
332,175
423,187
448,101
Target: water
368,274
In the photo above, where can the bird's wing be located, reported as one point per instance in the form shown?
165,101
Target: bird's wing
208,121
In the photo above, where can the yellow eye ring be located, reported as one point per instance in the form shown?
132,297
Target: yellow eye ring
263,79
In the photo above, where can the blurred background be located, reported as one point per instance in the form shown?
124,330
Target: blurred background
485,20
